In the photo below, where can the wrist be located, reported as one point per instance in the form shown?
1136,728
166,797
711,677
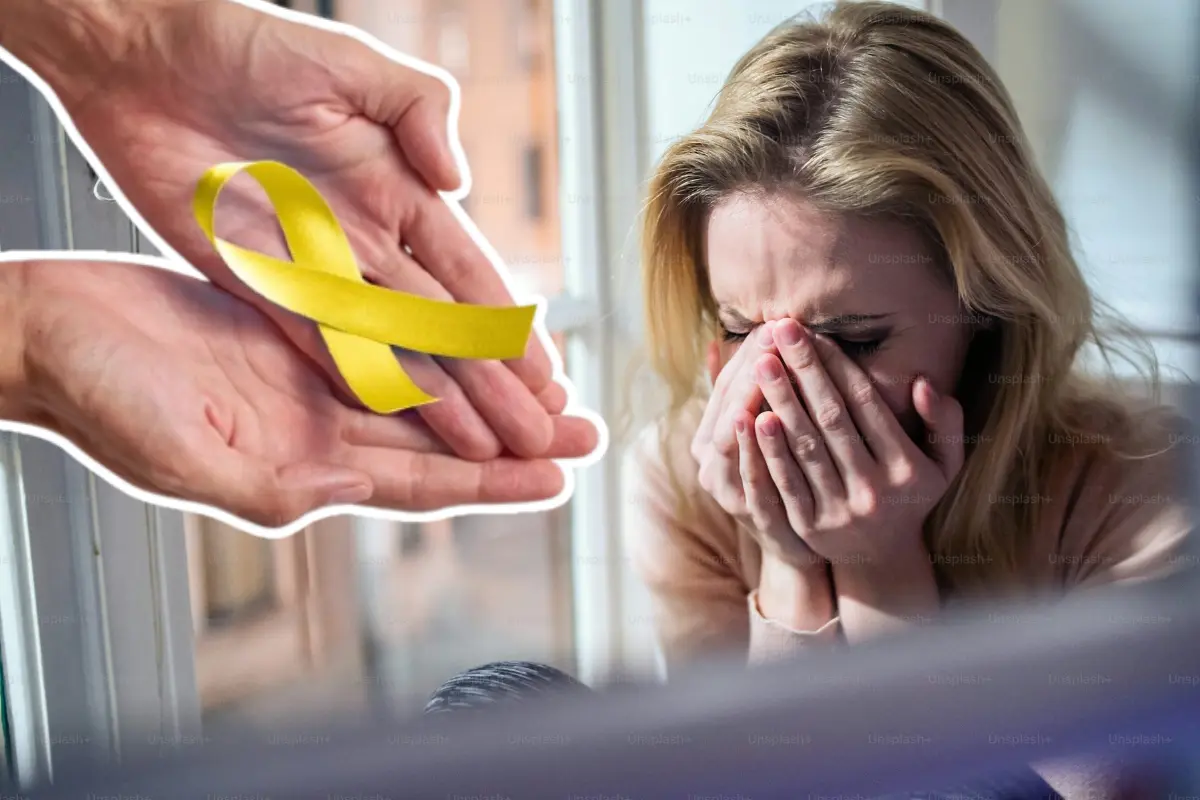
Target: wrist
880,595
75,46
796,595
900,566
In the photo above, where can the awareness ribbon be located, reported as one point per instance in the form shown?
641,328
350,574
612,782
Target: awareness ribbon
359,321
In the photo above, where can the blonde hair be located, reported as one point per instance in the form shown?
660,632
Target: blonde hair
882,110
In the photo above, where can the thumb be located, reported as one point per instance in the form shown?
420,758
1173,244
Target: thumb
413,104
943,417
273,497
418,112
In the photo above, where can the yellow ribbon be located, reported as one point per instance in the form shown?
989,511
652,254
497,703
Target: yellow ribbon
357,320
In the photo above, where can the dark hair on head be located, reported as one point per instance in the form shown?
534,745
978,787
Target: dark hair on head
501,682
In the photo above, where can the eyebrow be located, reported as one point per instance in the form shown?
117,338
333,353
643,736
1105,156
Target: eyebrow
841,323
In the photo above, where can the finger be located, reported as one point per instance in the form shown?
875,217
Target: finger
441,245
427,481
746,398
797,433
574,437
414,105
763,503
423,133
719,477
399,271
505,404
885,438
802,437
553,398
404,430
785,473
453,416
716,401
744,394
729,482
826,409
943,418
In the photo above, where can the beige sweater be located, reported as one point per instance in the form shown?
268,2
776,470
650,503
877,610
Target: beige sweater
1110,522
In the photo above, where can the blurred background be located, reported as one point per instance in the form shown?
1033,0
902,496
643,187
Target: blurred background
566,106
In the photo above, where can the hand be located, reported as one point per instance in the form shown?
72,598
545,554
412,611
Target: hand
854,487
713,445
200,82
186,391
735,476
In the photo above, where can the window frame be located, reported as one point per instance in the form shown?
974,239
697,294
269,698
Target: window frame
587,313
98,580
601,158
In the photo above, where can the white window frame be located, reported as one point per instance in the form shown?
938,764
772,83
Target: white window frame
95,622
601,157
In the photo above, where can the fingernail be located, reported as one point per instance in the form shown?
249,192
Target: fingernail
770,426
933,394
740,425
769,370
766,338
790,333
349,495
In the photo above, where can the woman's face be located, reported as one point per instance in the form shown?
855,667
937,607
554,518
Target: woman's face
868,285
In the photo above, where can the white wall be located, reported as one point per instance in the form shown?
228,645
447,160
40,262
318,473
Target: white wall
1102,87
690,48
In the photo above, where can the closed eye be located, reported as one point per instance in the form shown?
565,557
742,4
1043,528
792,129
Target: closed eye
857,349
854,348
733,336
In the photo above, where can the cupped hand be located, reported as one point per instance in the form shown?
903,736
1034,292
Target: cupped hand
830,461
210,81
186,391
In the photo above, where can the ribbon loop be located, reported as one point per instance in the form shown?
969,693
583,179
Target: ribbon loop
358,321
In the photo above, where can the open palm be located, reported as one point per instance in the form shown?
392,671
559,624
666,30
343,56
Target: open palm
186,391
214,81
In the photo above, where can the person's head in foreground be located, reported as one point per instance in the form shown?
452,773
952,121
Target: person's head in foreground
864,176
500,684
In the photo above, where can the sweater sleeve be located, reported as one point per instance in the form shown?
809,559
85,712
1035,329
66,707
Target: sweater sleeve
769,640
690,570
